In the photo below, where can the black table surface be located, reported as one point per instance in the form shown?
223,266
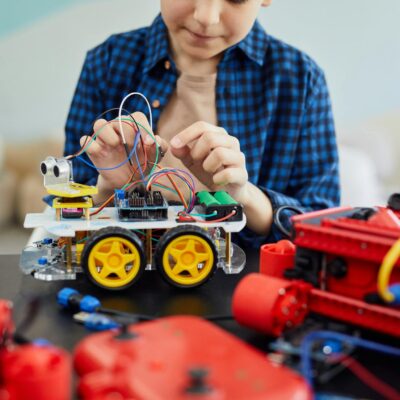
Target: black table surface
153,297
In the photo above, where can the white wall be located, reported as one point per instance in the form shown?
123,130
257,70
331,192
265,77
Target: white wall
357,42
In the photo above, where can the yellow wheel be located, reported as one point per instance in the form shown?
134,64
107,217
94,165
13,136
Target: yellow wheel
113,258
186,256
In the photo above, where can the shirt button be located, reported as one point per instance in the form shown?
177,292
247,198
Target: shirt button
156,103
167,65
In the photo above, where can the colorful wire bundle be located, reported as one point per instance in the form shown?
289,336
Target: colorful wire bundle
153,177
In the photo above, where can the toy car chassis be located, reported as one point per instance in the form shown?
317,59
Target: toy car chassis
114,253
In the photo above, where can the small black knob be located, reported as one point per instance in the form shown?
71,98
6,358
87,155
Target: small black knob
337,267
197,384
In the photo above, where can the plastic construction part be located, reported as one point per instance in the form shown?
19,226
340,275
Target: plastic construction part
72,299
36,372
361,243
42,261
275,258
217,205
6,323
272,305
64,295
168,363
33,370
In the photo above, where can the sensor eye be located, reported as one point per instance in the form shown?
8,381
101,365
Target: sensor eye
43,168
46,166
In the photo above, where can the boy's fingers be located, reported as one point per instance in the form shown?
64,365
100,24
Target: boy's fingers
223,157
183,153
162,146
229,176
106,133
211,141
144,127
193,132
93,148
128,129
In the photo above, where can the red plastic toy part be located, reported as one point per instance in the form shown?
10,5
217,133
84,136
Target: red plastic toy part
6,323
30,371
180,358
358,245
33,372
276,257
270,305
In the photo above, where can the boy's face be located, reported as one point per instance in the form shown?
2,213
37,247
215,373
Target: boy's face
203,29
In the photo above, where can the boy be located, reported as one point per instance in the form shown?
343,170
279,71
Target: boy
240,110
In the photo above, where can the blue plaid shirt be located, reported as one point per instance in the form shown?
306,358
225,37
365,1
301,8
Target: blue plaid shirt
270,96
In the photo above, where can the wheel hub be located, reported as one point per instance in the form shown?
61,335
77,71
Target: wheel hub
114,260
188,258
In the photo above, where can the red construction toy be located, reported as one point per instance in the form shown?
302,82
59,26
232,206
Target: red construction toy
31,371
180,358
344,264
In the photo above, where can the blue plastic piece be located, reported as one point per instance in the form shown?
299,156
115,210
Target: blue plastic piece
100,322
41,342
89,304
64,294
47,241
332,347
119,194
42,261
395,290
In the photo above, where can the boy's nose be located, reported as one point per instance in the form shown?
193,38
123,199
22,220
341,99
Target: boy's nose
207,12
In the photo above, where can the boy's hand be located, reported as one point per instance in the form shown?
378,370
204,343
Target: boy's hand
108,151
214,157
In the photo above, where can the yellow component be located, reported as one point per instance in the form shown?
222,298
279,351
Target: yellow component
59,203
114,262
385,271
71,190
188,259
78,252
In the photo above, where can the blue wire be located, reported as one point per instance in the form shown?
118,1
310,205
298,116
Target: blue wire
137,158
305,348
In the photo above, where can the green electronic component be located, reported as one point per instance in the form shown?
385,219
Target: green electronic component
207,199
224,198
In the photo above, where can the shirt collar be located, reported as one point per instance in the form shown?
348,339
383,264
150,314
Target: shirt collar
254,45
157,44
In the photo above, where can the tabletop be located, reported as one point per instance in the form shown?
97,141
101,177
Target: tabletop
153,297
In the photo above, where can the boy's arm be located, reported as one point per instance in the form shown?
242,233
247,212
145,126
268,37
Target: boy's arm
314,180
86,105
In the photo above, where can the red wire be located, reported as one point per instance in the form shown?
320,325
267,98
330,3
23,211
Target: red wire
370,379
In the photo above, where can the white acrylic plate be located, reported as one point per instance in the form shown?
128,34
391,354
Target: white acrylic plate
109,217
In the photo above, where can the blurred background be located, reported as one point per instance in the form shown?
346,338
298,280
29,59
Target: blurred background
43,45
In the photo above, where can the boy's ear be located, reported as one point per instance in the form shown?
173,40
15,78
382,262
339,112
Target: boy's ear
266,3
